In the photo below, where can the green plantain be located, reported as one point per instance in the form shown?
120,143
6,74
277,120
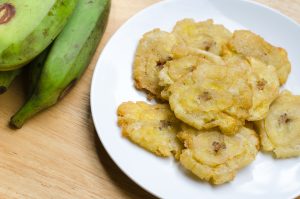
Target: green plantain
27,27
6,78
68,58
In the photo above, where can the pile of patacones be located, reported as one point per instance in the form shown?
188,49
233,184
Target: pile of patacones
219,99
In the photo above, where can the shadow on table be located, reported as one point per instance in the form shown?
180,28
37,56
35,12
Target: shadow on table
124,183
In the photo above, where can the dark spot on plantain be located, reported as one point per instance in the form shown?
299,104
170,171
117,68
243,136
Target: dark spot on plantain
208,45
164,124
7,12
45,32
284,119
63,3
68,88
160,63
2,89
50,13
260,84
206,96
217,146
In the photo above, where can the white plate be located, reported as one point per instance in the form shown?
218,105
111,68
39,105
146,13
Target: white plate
112,84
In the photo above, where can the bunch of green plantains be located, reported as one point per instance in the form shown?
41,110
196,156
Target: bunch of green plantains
55,40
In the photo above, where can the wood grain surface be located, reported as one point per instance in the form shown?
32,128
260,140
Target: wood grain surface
57,154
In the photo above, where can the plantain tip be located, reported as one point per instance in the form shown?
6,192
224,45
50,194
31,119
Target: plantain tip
3,89
15,123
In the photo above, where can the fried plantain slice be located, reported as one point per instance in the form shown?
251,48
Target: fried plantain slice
212,96
153,51
153,127
176,69
215,157
203,35
186,59
265,88
280,130
262,79
251,45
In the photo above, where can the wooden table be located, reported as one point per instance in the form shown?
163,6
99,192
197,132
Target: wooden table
57,154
